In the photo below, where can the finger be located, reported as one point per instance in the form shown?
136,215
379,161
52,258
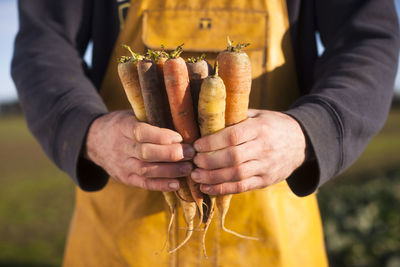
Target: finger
161,153
230,136
254,182
155,170
154,184
232,174
146,133
228,157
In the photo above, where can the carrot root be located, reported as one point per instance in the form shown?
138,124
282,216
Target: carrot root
207,225
171,221
188,236
189,210
237,234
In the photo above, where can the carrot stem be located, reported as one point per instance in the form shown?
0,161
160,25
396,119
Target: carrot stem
177,52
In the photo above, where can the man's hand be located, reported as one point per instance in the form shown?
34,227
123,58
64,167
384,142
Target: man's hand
138,154
258,152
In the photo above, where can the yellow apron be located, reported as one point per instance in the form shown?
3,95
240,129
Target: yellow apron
126,226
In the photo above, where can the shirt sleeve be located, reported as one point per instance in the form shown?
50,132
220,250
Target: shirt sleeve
353,86
57,97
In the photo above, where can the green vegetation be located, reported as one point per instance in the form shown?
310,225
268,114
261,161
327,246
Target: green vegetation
362,220
36,200
360,209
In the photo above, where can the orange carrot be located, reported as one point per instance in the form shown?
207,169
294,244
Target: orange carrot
211,111
235,71
176,80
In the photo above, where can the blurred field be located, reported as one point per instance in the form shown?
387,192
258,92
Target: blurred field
35,200
360,208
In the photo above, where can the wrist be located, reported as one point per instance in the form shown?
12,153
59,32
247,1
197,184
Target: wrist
88,148
303,139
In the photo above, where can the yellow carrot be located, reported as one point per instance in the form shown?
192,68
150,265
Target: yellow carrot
127,71
211,110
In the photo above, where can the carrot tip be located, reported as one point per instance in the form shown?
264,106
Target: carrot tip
205,231
171,220
239,235
188,235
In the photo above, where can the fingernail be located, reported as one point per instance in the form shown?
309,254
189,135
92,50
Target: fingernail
195,176
206,188
188,152
177,139
173,185
185,169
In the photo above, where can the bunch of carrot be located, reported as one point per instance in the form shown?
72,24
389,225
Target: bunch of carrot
162,87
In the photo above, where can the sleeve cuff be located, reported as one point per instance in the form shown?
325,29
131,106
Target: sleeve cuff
323,129
87,175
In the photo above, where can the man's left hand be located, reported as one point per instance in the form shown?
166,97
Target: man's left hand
258,152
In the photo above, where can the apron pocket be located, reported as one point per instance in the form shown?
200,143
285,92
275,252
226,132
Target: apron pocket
206,31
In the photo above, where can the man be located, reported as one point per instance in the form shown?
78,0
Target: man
344,99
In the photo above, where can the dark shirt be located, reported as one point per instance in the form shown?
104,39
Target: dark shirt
346,93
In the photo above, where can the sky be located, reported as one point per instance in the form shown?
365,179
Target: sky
8,29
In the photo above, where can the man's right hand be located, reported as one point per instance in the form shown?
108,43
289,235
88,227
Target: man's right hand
137,153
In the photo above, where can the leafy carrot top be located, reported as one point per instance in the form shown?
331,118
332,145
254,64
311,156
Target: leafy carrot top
134,58
196,59
154,55
177,52
236,48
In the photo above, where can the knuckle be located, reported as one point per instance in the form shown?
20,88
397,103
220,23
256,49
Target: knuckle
138,132
153,184
240,187
211,176
240,172
143,171
164,138
138,168
174,154
136,147
234,156
219,190
143,151
234,136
